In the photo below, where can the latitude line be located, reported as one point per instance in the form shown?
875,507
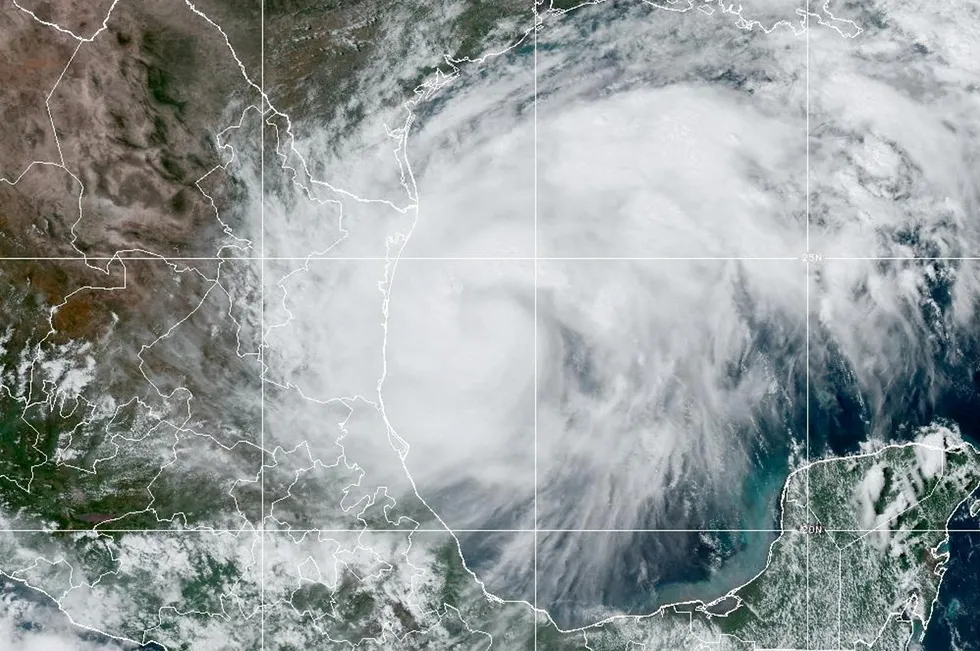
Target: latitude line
325,258
378,258
458,530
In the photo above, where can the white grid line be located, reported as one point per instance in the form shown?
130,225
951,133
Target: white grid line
262,113
394,530
807,407
329,258
316,258
806,34
534,110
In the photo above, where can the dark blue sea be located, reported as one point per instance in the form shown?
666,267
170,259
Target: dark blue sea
955,624
839,422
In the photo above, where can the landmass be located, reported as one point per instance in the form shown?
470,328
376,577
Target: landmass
132,474
858,565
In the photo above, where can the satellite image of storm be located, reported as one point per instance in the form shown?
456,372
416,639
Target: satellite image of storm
489,325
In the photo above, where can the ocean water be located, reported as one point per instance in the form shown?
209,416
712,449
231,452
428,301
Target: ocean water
955,624
840,422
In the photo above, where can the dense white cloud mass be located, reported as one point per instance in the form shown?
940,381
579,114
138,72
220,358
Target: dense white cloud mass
659,388
652,368
28,624
625,175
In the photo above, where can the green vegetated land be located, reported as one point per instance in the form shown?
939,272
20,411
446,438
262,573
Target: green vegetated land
857,566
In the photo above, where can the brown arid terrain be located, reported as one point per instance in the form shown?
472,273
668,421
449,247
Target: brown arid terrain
131,194
119,361
136,107
32,59
83,20
111,126
130,130
136,113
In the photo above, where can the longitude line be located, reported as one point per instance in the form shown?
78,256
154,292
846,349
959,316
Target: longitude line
806,25
534,110
262,99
